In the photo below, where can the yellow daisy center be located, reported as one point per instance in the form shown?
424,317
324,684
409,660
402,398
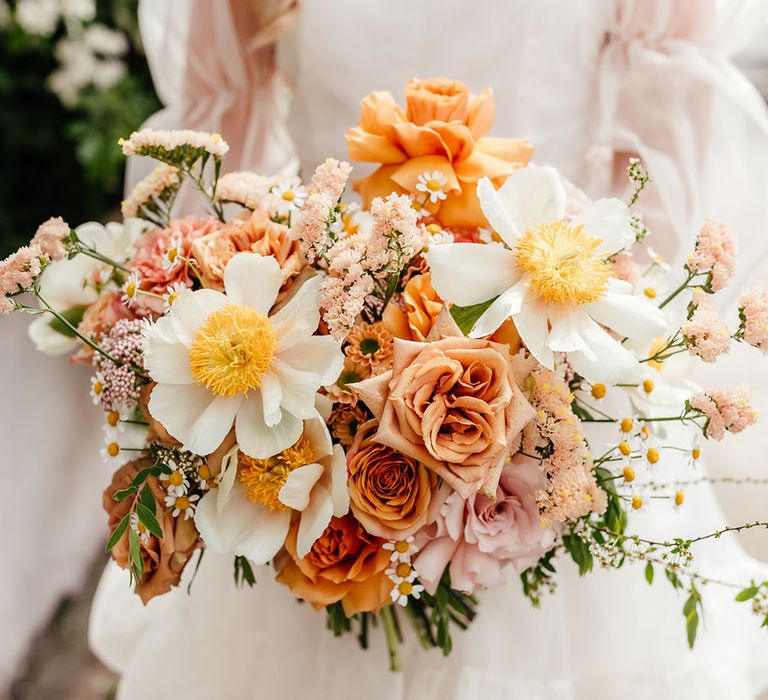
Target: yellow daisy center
288,195
130,290
204,472
401,546
113,418
176,479
405,587
563,263
98,387
113,449
403,569
433,185
637,502
182,502
232,350
599,391
173,253
653,455
696,452
263,478
679,498
629,474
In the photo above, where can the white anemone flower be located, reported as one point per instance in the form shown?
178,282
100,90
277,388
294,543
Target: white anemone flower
249,514
219,360
552,278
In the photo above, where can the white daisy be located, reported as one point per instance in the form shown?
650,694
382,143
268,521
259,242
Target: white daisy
289,197
219,360
181,504
554,279
658,259
172,293
139,528
695,453
131,288
123,444
432,184
176,482
250,512
97,388
173,255
402,550
404,590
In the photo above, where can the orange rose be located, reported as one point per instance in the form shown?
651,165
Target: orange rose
392,495
258,234
420,308
438,143
164,559
345,564
452,404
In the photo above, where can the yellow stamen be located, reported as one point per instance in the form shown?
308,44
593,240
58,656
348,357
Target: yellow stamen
648,385
288,195
113,449
233,350
653,455
175,478
433,185
598,391
625,448
182,502
645,430
433,229
679,498
405,587
401,546
98,387
696,452
130,290
650,292
627,425
403,569
563,263
629,474
263,478
113,418
637,502
173,253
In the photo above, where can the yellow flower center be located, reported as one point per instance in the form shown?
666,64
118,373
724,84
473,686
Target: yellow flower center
629,474
182,502
403,569
648,385
173,253
650,292
696,452
627,425
598,391
653,455
646,432
204,472
625,448
637,502
657,345
433,185
563,263
172,297
98,387
113,417
175,479
405,587
130,290
232,350
679,498
263,478
113,449
401,546
433,229
288,195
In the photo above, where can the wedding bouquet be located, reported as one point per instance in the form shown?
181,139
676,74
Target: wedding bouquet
394,401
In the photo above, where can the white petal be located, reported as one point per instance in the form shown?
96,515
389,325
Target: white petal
508,304
228,477
48,340
298,388
319,355
243,528
166,359
496,212
613,363
564,336
256,439
339,490
531,324
298,486
253,280
193,415
316,431
314,520
630,315
271,397
533,195
608,220
300,317
64,283
189,311
471,273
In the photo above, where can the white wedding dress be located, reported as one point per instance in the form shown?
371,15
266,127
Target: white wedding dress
567,75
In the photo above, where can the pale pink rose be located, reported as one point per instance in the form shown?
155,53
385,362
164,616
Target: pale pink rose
479,537
715,253
725,409
150,253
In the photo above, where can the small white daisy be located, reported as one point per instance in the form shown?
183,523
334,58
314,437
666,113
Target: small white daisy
131,289
139,528
678,500
181,503
176,482
97,388
173,255
695,453
433,184
404,590
204,477
489,237
401,571
402,550
289,197
658,259
171,294
113,454
437,235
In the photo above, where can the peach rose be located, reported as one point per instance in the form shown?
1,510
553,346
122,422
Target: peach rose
452,404
164,559
442,130
258,234
345,564
392,495
420,307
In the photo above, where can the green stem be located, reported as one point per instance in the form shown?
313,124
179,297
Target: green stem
390,631
93,253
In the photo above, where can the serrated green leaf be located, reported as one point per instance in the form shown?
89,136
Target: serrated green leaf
747,594
137,563
122,494
148,520
466,316
649,573
117,533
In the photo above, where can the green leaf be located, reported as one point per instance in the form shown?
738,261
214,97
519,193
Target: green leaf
690,606
649,573
147,500
124,493
747,594
244,573
137,563
148,520
143,474
73,316
673,579
579,551
692,626
117,533
466,316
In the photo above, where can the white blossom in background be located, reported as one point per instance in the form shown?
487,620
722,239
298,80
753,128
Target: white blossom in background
108,72
5,14
39,17
105,41
84,10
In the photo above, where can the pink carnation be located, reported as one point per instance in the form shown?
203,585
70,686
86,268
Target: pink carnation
150,251
479,536
705,333
726,409
753,311
715,253
49,238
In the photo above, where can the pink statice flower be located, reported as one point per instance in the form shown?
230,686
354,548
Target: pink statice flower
149,261
162,179
19,270
310,228
480,536
753,312
725,410
50,236
715,253
705,333
331,178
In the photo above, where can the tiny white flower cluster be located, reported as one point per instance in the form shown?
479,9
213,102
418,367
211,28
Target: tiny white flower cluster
401,573
147,139
162,178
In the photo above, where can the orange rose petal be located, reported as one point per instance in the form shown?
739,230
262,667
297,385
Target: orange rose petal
457,138
511,150
396,322
485,165
407,174
507,334
419,141
482,109
371,148
378,113
367,595
462,209
437,98
377,184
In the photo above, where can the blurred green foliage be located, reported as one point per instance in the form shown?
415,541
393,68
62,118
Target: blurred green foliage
56,161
